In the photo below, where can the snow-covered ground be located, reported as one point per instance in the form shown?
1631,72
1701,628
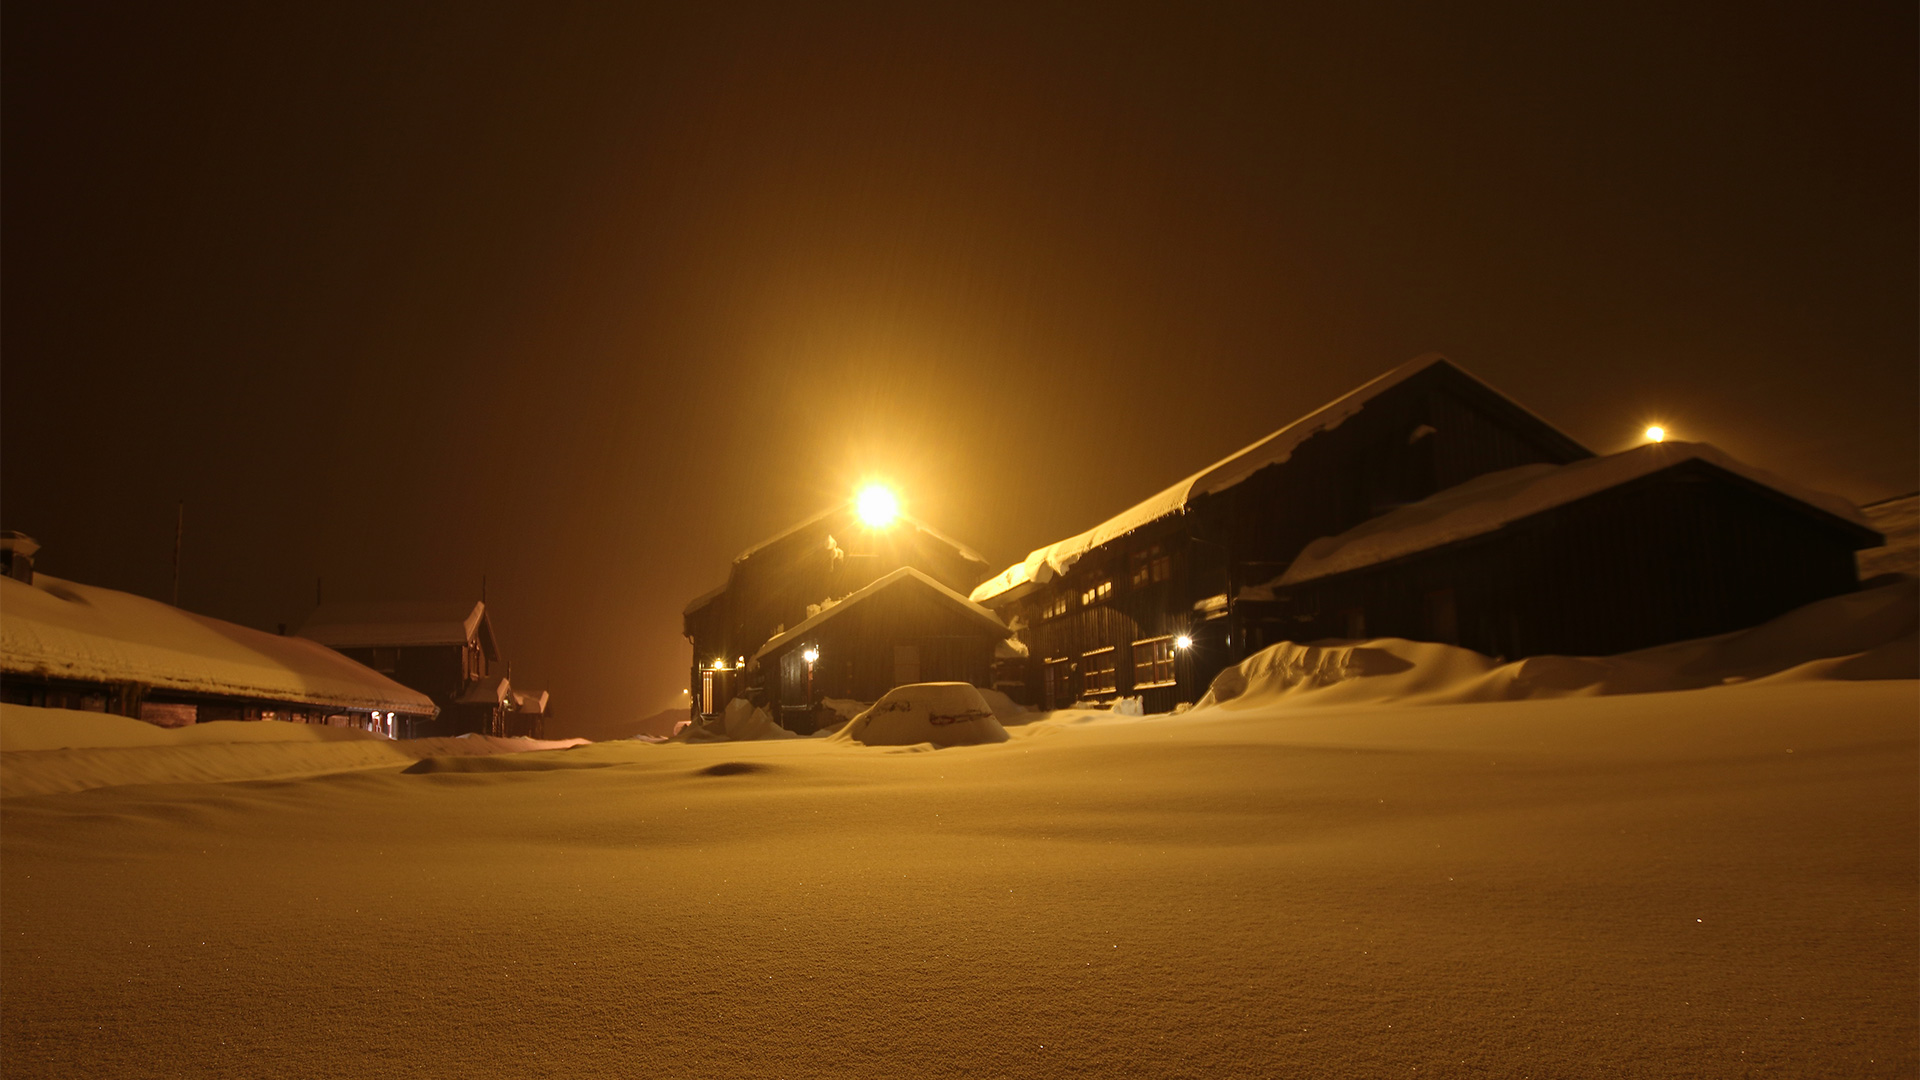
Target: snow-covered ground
1307,880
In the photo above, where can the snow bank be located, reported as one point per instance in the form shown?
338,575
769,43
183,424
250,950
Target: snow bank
1864,635
943,713
47,751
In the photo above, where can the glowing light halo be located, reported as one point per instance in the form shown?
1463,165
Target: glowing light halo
1656,433
877,506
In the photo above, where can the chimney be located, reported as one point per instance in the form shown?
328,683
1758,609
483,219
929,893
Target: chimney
16,555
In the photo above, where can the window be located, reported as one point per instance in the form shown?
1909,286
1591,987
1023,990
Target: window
1096,671
1055,605
1150,566
1096,592
1356,622
1153,662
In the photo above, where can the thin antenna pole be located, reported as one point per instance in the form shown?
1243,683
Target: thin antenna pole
179,534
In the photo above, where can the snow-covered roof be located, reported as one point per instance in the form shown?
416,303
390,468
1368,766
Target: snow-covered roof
965,552
1041,565
853,599
1489,502
62,630
487,690
388,624
704,599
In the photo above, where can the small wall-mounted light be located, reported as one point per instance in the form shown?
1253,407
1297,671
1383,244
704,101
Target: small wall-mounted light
1183,642
719,665
810,655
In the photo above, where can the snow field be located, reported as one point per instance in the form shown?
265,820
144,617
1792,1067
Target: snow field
1717,882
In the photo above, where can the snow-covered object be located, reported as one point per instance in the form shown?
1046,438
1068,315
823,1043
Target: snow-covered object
1489,502
1043,564
1864,635
943,713
743,721
1130,706
784,638
63,630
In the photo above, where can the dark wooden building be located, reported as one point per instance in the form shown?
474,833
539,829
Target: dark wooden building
65,645
784,581
444,650
1662,543
1148,602
904,628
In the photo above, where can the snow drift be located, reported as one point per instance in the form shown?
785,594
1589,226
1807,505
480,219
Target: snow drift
1864,635
48,751
943,713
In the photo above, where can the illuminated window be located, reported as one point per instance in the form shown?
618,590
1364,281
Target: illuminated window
1096,671
1055,605
1093,594
1150,566
1153,662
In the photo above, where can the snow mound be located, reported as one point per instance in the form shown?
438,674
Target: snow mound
1863,635
943,713
1005,709
743,721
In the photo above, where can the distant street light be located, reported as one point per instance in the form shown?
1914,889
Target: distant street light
1183,642
1656,433
810,655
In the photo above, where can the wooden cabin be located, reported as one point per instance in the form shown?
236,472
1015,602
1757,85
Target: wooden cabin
1661,543
1147,602
64,645
904,628
446,651
784,581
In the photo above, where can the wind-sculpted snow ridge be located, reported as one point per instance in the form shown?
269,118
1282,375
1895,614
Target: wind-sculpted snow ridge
1864,635
938,714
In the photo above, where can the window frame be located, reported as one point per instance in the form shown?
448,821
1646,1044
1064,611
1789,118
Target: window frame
1155,663
1088,669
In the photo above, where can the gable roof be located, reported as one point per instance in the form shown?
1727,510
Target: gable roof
404,623
1489,502
1042,564
906,574
64,630
965,552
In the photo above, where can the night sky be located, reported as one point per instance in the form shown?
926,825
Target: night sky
587,299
